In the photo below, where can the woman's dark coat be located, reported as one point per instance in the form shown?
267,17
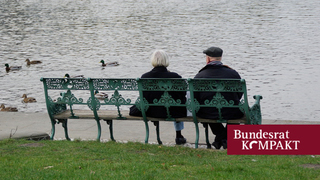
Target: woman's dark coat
156,111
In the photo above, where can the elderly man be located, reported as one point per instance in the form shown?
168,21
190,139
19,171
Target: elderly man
215,69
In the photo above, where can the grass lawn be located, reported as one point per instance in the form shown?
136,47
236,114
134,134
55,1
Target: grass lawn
22,159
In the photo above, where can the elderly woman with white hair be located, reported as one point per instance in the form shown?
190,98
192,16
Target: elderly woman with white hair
160,62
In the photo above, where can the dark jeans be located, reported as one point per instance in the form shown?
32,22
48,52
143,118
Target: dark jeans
219,130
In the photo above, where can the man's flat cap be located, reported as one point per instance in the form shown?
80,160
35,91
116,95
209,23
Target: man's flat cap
213,52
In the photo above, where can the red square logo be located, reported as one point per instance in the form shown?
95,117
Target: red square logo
273,139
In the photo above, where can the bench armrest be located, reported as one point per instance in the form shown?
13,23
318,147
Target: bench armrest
255,111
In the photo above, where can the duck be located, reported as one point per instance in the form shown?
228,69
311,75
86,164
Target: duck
28,99
115,63
100,95
12,68
32,62
8,109
77,76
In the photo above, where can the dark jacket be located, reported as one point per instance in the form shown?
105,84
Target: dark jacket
223,72
156,111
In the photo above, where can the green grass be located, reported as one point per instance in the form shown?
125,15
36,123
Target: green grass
21,159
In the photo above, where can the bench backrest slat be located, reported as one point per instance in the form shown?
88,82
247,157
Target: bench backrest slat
218,86
125,84
65,83
140,85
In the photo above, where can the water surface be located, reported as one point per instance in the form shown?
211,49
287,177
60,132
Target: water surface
273,44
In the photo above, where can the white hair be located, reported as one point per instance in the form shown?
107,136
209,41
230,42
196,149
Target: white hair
159,58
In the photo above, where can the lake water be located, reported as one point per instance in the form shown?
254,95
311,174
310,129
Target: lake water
273,44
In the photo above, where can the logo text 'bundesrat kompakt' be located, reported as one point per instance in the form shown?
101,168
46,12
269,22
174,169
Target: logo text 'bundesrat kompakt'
263,140
274,139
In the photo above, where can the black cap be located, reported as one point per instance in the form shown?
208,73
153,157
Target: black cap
213,52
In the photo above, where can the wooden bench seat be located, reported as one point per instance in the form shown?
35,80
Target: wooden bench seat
112,115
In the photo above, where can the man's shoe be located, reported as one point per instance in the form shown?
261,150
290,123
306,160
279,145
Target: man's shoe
216,145
181,140
224,144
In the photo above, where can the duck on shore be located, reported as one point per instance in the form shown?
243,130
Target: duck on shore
8,109
28,99
32,62
12,68
115,63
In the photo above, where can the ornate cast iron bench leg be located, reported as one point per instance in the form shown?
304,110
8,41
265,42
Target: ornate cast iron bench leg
99,129
197,135
110,123
65,126
157,124
53,129
147,131
205,125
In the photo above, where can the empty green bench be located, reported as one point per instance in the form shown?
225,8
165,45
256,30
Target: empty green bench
74,98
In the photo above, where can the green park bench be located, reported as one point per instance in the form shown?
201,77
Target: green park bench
74,98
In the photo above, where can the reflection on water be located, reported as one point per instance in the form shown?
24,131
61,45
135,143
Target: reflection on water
272,44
